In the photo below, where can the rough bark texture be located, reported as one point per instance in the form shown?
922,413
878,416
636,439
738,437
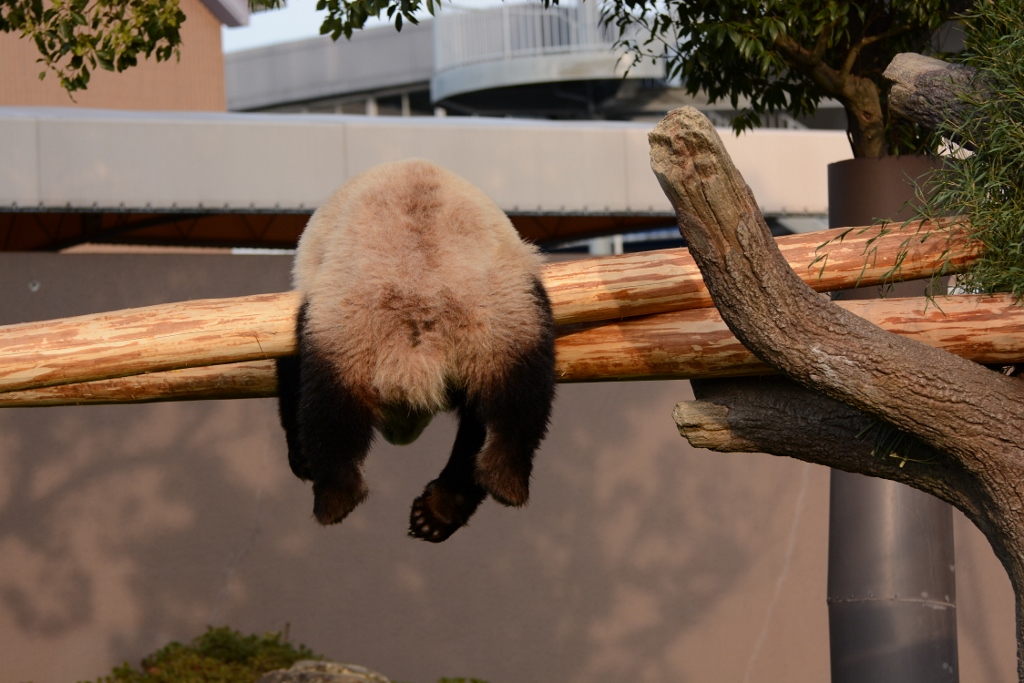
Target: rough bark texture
775,415
968,412
930,91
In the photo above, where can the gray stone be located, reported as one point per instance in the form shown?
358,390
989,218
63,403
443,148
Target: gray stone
314,671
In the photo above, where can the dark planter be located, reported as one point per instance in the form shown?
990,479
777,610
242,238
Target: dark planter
891,581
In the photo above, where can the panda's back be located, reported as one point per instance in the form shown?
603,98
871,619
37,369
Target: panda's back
418,283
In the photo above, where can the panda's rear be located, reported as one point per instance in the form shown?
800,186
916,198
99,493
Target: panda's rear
407,301
418,289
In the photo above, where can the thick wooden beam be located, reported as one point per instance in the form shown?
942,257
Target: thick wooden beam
153,338
677,345
668,280
251,379
216,331
698,344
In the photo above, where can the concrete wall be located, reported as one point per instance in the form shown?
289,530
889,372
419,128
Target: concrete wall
56,159
320,67
196,82
639,558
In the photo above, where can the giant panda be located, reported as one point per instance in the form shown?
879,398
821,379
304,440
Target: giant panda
418,296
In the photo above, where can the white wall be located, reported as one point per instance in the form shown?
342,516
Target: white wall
94,159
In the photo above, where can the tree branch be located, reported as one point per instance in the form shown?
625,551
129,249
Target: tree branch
971,414
775,415
791,328
858,95
930,91
810,63
854,53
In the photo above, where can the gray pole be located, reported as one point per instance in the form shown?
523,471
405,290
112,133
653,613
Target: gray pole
891,581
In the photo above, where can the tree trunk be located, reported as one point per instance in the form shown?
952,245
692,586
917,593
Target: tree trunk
972,415
865,122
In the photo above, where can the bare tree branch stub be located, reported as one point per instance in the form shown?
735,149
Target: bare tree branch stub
930,91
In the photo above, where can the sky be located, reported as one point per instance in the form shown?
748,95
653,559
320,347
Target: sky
298,20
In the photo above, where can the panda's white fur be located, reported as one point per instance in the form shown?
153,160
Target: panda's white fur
398,271
418,289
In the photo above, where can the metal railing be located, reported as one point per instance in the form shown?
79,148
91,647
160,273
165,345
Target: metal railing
464,36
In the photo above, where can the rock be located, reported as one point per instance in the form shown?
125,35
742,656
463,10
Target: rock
314,671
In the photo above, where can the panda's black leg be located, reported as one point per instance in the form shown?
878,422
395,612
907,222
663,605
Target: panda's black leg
335,433
448,502
288,390
516,413
289,385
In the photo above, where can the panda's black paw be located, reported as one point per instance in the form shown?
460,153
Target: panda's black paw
508,485
332,502
440,511
424,524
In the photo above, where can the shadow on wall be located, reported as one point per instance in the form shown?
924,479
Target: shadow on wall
125,527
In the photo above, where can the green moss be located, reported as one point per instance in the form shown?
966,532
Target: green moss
220,655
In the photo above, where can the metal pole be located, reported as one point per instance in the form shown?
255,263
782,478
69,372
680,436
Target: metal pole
891,580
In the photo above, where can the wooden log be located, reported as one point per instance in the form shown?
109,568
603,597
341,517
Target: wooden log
630,285
252,379
677,345
697,343
153,338
215,331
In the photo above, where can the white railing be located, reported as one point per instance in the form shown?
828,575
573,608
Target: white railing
465,36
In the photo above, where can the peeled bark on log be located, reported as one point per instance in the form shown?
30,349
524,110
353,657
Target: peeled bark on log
699,344
209,332
631,285
930,91
153,338
252,379
677,345
960,408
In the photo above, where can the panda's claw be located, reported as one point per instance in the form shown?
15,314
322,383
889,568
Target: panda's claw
425,525
442,509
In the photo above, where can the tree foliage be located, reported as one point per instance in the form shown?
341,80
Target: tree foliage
74,37
773,56
763,56
221,655
986,185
